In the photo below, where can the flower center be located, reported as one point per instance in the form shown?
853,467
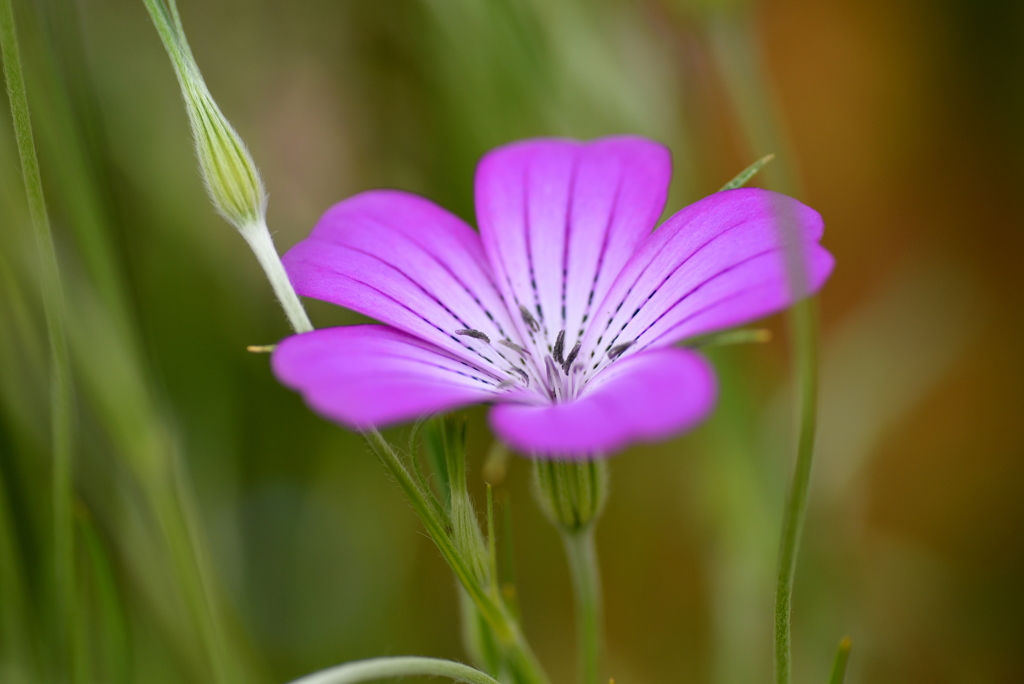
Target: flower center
542,368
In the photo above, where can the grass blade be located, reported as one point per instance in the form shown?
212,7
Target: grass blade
61,389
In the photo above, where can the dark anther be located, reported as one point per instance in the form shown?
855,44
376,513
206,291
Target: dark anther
505,384
616,351
572,357
522,374
559,350
512,345
528,318
475,334
552,375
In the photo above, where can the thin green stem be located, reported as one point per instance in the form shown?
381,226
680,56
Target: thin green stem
262,246
228,161
402,666
735,47
61,389
506,629
492,542
839,665
581,552
804,326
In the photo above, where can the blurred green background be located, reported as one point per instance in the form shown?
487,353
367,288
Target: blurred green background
220,521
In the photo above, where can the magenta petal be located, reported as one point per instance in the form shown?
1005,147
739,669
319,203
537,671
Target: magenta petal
404,261
717,263
560,218
645,397
371,375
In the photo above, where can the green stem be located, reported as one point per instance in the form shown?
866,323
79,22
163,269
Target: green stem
164,14
735,47
522,661
402,666
803,325
61,390
839,666
586,582
262,246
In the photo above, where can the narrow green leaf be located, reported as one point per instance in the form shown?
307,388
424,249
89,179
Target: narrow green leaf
842,657
730,337
746,174
61,388
507,572
492,542
433,445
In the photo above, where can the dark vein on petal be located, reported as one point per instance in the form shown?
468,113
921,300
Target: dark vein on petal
400,357
437,260
694,289
711,279
604,248
678,266
707,281
568,230
426,292
687,319
415,313
529,247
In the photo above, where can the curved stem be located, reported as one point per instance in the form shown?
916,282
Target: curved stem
735,48
586,582
402,666
804,326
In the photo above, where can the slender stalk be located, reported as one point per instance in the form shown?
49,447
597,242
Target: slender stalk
262,246
227,168
586,583
61,389
804,327
402,666
735,47
522,661
839,665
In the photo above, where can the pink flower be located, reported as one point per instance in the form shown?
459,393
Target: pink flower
562,312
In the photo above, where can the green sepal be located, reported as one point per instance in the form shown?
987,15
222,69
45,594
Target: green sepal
571,493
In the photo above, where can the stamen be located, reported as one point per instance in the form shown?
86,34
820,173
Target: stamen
475,334
528,318
505,384
559,348
522,374
512,345
573,353
616,351
554,381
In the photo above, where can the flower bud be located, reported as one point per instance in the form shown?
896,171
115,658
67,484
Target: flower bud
571,493
228,169
230,174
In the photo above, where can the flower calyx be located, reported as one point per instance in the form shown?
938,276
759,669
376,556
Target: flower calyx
572,494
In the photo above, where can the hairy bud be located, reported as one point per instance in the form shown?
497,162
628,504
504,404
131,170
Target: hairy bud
228,169
571,493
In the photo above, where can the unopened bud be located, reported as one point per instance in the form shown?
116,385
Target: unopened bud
571,493
228,169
